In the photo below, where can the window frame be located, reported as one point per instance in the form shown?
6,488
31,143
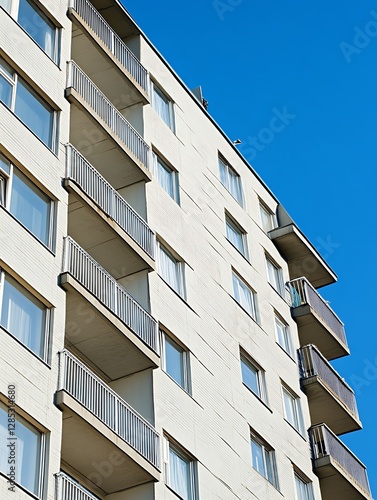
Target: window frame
254,305
180,269
288,348
298,418
271,217
14,81
298,476
237,229
260,377
156,161
5,202
229,170
42,445
178,450
268,455
15,14
185,360
156,88
47,327
277,274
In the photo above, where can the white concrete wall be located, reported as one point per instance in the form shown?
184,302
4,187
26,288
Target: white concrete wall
20,253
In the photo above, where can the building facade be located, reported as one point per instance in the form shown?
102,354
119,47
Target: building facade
162,332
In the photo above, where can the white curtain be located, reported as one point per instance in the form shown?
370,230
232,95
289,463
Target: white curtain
257,457
234,236
179,474
165,178
48,42
161,105
235,186
28,449
19,321
169,269
243,295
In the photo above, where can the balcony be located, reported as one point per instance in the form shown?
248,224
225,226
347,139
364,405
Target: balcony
341,474
331,400
104,56
102,222
68,489
317,322
102,134
104,324
99,425
301,256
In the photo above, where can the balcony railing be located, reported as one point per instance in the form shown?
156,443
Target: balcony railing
302,292
314,364
112,41
96,100
326,444
111,202
105,288
68,489
83,385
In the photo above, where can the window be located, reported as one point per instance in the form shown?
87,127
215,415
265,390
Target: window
267,217
180,471
27,203
23,315
244,296
39,27
253,377
231,180
236,236
283,336
263,459
171,270
304,488
166,176
21,99
292,410
175,361
274,274
29,457
163,106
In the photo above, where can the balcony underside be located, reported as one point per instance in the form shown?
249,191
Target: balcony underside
102,237
102,147
313,330
102,67
335,483
99,337
325,406
303,259
98,454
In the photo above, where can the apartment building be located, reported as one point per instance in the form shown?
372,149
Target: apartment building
162,331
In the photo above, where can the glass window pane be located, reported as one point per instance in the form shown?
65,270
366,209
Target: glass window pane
179,474
36,114
169,270
235,236
223,173
36,24
28,451
165,177
161,105
6,69
257,457
4,164
174,361
244,296
283,338
250,376
30,206
5,91
235,186
303,489
23,316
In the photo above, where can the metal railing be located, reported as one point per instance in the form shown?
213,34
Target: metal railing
109,200
68,489
89,390
112,41
326,444
107,290
313,363
99,103
302,292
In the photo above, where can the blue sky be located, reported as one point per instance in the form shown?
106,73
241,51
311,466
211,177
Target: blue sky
315,61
